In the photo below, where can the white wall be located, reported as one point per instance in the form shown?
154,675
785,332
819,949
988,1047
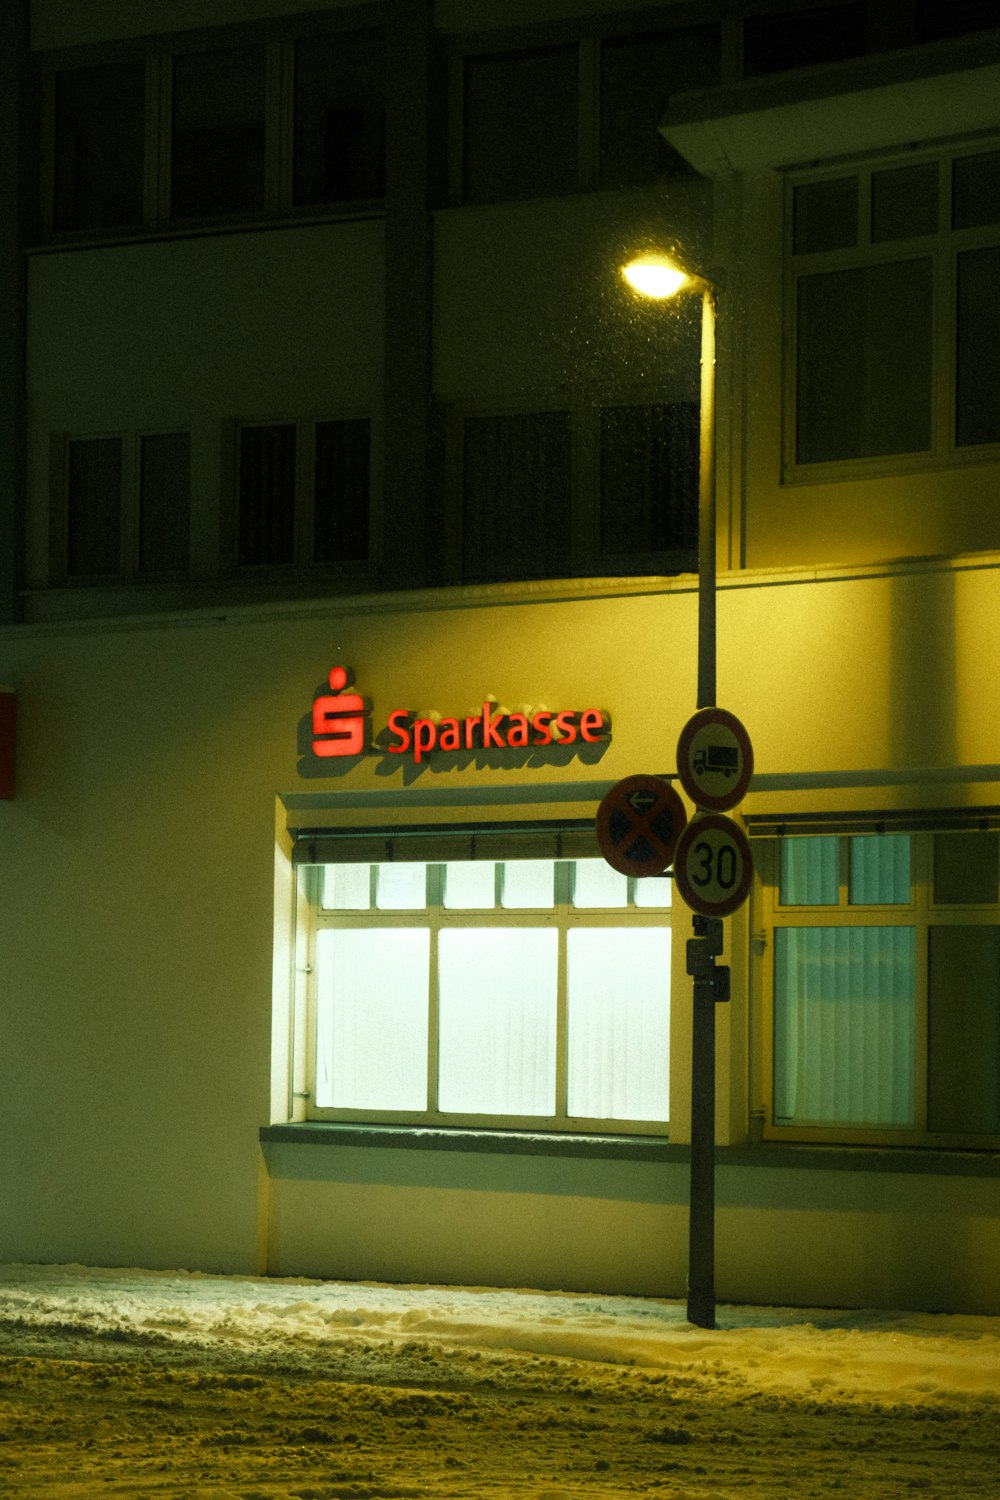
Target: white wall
784,1236
137,884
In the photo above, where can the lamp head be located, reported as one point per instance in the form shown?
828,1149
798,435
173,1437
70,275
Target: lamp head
656,276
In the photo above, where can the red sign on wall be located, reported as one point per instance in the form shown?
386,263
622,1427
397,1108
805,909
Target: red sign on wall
339,720
340,727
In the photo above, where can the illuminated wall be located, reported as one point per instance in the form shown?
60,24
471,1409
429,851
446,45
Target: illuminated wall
137,883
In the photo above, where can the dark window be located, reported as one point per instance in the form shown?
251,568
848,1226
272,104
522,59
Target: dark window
966,869
775,43
93,507
904,202
266,530
873,339
164,502
976,203
217,162
864,362
978,353
99,146
976,190
963,1023
521,124
339,117
517,491
638,75
936,19
649,480
342,491
825,215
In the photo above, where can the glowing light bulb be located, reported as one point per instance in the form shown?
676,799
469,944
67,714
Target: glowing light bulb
654,276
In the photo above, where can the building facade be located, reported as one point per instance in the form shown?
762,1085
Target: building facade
349,532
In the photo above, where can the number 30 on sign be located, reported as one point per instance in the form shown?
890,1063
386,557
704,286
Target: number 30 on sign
713,865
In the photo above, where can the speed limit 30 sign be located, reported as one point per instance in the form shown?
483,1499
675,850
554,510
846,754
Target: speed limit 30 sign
713,866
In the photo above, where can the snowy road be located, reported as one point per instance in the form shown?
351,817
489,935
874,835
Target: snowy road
188,1387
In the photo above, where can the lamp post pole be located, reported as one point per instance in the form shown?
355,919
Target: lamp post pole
701,1203
706,505
662,276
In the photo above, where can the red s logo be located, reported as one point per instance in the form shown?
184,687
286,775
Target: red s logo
339,721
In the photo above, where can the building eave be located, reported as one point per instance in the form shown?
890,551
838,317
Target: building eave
922,94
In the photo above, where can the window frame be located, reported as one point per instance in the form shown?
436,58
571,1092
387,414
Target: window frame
304,500
943,248
436,918
129,569
584,522
588,38
921,913
158,53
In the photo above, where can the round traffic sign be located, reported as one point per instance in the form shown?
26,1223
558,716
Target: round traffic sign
638,824
713,866
714,759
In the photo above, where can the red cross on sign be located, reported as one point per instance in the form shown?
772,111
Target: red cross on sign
638,824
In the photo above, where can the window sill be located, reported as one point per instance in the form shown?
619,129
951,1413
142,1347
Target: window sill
495,1142
196,228
886,466
916,1160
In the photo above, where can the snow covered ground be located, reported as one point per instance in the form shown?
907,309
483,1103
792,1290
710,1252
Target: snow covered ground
190,1387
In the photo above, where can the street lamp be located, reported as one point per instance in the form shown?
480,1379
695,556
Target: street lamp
661,276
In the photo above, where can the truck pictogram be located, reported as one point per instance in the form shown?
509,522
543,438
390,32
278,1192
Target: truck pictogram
718,760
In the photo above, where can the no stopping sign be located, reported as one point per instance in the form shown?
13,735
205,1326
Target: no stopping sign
638,824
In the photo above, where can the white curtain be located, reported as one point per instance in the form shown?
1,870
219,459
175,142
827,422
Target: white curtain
844,1025
371,1018
619,1023
497,1020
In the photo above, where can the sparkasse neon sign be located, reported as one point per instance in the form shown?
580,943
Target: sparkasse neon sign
341,726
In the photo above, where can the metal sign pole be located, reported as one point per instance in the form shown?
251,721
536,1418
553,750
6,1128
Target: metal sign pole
706,506
701,1223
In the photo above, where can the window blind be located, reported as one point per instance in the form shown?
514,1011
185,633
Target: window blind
424,845
892,820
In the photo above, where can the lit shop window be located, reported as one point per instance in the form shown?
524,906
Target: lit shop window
884,986
477,992
894,275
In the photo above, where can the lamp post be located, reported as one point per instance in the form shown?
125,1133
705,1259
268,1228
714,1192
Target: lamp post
660,277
